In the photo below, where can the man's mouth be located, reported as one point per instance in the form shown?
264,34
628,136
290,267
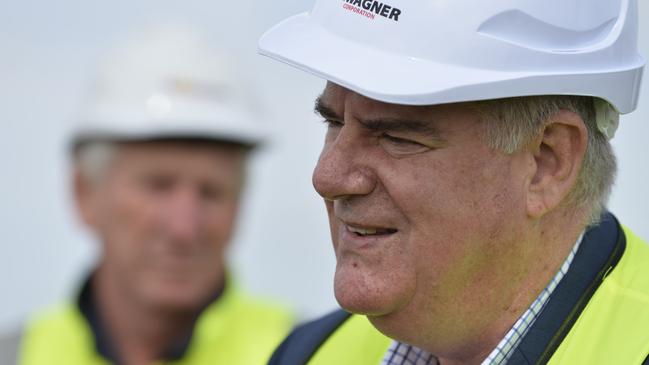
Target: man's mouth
369,231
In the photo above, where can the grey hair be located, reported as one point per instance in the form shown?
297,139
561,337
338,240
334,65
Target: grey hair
513,123
93,158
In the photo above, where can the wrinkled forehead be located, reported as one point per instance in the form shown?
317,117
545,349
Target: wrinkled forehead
337,100
179,154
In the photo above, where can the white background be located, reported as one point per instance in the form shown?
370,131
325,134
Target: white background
48,51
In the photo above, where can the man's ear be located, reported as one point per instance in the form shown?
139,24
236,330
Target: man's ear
83,190
558,154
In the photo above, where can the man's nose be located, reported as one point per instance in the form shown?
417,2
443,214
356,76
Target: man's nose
343,168
183,222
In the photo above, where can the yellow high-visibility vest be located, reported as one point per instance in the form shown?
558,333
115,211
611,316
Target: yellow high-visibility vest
234,330
613,328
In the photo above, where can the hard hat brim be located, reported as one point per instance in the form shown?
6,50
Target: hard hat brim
393,78
109,121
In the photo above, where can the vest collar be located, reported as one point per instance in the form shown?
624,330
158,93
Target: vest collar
599,252
104,345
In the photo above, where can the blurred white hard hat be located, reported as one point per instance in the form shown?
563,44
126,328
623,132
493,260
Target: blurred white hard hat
167,82
443,51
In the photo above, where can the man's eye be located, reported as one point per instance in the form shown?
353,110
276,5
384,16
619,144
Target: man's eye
332,123
397,146
157,183
212,192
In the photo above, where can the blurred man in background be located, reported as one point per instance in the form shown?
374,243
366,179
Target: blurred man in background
159,167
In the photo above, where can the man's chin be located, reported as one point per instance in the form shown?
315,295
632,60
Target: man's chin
358,295
173,299
363,307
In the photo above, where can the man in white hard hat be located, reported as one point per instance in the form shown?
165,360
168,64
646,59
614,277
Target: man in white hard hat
465,170
159,167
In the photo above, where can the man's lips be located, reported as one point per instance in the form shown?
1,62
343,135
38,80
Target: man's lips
363,236
368,230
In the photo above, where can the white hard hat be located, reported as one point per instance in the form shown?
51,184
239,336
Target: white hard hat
167,83
443,51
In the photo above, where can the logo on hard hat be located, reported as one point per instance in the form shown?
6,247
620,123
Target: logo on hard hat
371,8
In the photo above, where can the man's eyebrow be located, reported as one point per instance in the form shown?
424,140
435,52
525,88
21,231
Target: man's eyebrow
324,110
388,124
400,125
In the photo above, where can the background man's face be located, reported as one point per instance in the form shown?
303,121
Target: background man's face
165,212
425,217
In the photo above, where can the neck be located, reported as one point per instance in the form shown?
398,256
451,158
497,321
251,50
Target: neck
139,333
483,313
555,237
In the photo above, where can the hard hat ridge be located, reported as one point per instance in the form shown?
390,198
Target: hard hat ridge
524,30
